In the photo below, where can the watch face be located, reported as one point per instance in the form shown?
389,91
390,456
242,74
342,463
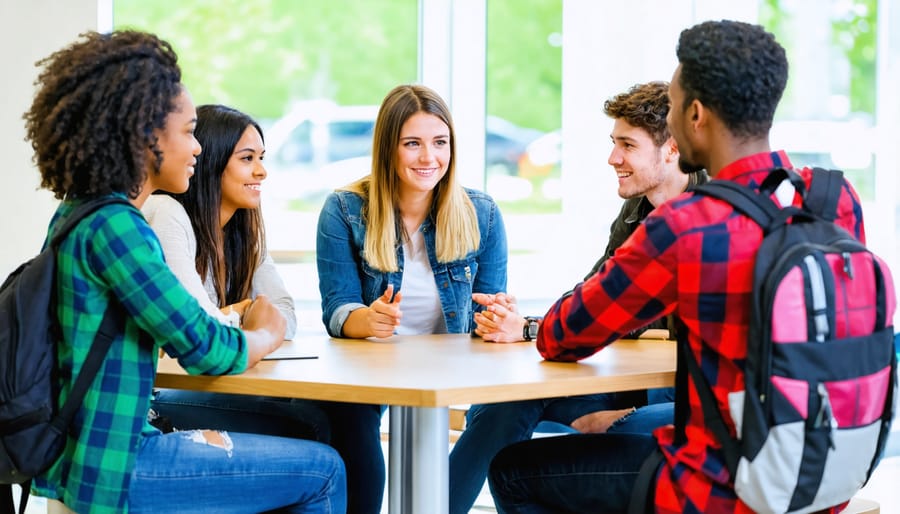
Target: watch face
532,329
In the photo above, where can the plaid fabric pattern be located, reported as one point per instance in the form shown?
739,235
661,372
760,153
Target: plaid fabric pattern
114,254
693,257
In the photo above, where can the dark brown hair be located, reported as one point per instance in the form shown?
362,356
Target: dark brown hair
644,106
242,240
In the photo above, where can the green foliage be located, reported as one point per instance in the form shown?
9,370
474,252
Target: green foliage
262,55
853,33
524,70
856,34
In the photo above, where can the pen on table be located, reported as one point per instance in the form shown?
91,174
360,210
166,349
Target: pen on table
290,358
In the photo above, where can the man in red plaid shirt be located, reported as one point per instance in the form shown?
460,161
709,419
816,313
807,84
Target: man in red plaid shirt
693,258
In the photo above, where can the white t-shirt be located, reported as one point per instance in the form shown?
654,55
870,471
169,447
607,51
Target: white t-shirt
420,304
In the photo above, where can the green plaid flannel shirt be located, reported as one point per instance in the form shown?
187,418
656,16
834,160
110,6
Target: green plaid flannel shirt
114,254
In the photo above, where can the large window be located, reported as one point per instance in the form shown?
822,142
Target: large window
313,74
522,77
827,115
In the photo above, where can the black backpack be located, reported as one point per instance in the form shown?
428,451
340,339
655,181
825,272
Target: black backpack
32,430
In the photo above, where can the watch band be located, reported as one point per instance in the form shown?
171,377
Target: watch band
530,329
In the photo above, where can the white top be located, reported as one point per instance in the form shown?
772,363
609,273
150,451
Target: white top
176,235
420,304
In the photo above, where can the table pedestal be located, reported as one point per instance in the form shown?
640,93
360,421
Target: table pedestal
418,463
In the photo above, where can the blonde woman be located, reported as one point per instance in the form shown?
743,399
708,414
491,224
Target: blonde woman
401,251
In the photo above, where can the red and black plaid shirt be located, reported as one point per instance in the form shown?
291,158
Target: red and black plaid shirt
693,257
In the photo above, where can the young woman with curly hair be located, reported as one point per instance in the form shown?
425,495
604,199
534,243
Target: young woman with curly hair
111,118
213,238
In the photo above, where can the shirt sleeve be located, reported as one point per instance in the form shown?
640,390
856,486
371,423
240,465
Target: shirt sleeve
125,253
636,286
492,260
338,265
176,236
267,281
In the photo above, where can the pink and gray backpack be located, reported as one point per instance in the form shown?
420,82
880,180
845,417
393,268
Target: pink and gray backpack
820,374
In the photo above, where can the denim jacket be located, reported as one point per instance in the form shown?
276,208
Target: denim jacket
347,282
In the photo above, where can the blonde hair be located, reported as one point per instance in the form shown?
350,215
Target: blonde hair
456,223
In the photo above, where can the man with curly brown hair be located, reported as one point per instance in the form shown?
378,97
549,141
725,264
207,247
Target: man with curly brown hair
645,159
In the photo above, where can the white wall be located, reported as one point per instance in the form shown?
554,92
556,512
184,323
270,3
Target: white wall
31,30
596,67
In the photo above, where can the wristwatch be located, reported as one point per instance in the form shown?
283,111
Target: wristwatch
530,329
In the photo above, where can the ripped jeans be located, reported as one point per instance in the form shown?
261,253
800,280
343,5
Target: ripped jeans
225,472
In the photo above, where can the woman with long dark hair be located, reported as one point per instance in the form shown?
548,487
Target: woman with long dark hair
213,238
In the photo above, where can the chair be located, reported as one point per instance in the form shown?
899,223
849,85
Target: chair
862,506
457,421
57,507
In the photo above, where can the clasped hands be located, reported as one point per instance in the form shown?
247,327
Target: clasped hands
500,321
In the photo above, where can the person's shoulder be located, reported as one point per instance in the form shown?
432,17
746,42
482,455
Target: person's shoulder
479,197
804,171
344,200
808,174
160,204
688,210
122,208
344,194
117,220
163,208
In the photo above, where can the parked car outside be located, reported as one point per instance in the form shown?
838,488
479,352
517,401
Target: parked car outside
319,145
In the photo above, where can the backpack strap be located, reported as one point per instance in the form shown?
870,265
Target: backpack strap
97,354
712,416
745,200
108,327
758,206
824,193
6,499
23,497
643,492
79,213
95,357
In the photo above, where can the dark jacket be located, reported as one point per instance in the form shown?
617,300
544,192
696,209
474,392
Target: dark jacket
633,212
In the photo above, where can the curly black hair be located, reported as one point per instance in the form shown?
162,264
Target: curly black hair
735,69
98,103
644,106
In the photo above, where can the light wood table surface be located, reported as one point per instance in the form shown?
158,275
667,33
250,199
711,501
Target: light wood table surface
419,377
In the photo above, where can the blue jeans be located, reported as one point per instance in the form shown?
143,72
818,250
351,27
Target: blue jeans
282,417
182,472
492,427
356,435
661,395
573,473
